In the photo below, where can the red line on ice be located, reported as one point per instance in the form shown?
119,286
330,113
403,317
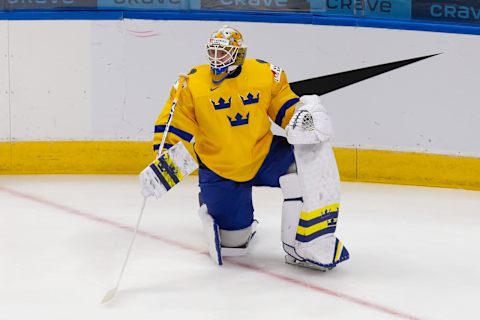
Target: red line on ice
332,293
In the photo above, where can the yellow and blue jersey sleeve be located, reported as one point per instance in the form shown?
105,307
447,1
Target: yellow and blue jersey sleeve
183,125
283,101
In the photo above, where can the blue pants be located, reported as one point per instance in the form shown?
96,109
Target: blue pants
230,202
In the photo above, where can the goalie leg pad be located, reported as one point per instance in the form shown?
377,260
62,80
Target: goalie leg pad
238,238
224,243
308,228
291,208
235,242
212,235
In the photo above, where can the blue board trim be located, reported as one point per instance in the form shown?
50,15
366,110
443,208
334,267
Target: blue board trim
269,17
61,15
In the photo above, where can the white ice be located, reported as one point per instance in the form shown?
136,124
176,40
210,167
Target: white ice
63,239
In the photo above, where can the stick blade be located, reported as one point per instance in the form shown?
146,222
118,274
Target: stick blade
109,295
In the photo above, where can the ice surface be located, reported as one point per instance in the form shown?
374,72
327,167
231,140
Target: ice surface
63,238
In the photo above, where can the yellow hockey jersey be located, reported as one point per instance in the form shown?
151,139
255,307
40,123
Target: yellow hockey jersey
229,123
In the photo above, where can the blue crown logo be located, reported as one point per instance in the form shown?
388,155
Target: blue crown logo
250,99
239,121
332,222
329,212
222,104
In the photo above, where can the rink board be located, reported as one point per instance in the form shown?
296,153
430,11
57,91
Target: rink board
113,157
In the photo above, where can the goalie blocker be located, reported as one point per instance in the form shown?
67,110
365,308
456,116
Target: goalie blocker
167,170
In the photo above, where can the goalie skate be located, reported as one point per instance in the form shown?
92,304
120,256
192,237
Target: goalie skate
304,264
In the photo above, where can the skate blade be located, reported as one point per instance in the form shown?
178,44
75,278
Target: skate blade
304,264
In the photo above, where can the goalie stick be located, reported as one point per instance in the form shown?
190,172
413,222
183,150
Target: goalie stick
112,292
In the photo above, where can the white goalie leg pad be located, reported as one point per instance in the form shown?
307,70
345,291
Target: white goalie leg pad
291,208
235,242
320,188
225,243
212,235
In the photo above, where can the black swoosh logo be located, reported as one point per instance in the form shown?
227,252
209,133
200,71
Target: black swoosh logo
211,89
325,84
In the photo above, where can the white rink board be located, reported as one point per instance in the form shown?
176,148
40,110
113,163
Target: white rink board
113,77
4,104
133,74
109,82
50,80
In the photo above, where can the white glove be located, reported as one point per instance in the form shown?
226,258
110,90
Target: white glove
150,183
310,123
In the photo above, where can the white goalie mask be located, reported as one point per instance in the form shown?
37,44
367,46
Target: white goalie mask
225,52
